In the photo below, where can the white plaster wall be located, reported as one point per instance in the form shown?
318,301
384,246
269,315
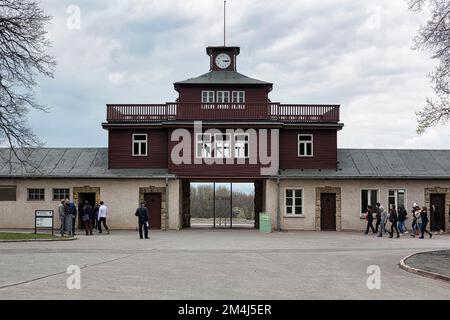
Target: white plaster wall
174,203
121,197
350,193
270,200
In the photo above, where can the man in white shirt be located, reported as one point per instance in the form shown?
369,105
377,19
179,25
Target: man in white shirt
102,214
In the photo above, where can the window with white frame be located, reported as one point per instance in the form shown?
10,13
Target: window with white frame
139,145
241,145
203,145
207,96
294,201
238,97
397,197
223,96
222,144
36,194
305,145
369,197
61,194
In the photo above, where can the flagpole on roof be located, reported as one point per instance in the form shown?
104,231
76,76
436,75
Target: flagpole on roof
224,21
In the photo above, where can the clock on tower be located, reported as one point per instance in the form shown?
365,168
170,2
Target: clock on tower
222,58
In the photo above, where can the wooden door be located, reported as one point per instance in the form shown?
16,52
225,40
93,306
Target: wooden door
153,204
437,214
328,211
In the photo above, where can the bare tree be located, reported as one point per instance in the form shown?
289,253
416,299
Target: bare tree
22,58
434,36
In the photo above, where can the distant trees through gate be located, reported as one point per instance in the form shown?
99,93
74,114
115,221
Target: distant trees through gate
203,199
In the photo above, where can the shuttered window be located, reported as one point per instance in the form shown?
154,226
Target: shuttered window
8,193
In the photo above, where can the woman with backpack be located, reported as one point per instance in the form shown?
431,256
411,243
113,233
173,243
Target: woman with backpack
402,213
393,219
87,218
424,218
418,221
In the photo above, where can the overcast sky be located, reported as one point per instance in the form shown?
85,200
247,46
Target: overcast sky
350,52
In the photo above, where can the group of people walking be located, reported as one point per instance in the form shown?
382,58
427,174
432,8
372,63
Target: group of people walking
92,217
397,219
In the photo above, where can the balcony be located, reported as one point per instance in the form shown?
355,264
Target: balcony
222,112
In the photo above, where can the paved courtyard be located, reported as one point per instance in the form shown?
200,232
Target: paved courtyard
218,264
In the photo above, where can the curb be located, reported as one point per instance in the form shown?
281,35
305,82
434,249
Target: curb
39,240
421,272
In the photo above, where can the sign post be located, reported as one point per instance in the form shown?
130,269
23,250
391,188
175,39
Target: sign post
43,219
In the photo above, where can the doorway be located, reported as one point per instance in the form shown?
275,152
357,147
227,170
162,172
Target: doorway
82,198
437,212
153,204
328,212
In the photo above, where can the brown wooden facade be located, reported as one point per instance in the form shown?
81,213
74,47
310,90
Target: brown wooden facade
158,121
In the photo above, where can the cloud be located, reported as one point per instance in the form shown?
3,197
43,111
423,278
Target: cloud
354,53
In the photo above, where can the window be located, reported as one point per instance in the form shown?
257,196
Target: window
223,96
61,194
294,201
36,195
222,145
238,97
368,197
8,193
207,96
397,197
241,145
305,145
203,143
139,145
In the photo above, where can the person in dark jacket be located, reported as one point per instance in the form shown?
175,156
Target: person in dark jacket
68,221
393,218
73,213
142,214
87,218
95,216
424,216
378,216
369,218
402,213
435,212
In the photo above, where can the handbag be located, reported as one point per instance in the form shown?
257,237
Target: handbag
85,217
146,223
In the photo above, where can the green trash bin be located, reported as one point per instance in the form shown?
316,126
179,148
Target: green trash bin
265,222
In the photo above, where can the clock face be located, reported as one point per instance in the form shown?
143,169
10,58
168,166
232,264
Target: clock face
223,60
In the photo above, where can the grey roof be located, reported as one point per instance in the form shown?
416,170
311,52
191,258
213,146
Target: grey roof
223,77
352,164
382,164
71,163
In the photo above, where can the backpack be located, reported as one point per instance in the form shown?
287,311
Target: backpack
393,217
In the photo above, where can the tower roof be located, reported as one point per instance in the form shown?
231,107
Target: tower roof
223,77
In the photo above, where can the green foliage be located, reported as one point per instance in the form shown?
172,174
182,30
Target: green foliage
202,201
